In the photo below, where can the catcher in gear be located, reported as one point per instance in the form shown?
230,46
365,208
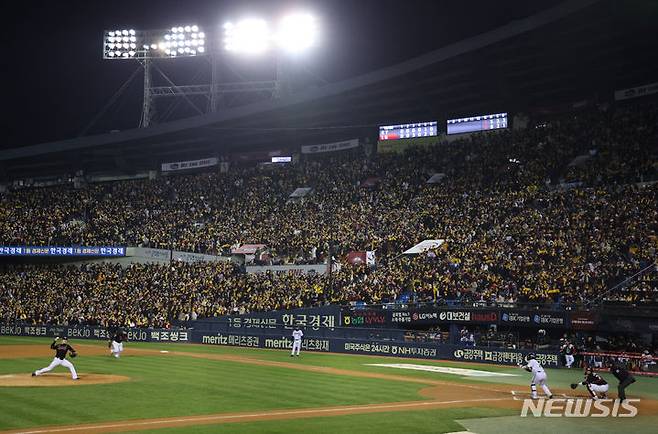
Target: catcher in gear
61,347
594,383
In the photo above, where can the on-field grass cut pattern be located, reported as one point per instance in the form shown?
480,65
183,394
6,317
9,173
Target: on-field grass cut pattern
437,394
215,419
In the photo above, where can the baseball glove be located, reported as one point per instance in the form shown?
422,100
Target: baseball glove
574,385
74,355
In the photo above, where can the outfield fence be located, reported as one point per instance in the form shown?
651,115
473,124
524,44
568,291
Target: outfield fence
254,339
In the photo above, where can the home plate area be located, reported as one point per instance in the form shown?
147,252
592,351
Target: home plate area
443,370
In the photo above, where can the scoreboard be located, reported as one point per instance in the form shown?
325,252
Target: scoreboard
477,123
408,131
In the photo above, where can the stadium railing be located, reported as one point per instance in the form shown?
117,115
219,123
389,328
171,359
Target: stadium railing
635,362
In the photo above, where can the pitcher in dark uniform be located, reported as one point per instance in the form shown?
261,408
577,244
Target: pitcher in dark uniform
61,348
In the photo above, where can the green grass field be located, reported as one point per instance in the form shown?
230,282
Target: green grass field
180,386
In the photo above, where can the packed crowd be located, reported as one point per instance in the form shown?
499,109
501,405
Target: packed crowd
144,294
559,212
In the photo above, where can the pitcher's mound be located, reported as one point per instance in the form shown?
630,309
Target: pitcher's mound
58,379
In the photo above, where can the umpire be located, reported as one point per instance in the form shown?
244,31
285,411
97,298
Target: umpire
625,379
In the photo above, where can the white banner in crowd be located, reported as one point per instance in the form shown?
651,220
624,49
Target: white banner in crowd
197,257
300,192
191,164
330,147
636,92
163,255
370,258
423,246
295,269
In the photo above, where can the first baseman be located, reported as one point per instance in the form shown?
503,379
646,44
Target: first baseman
297,335
61,348
538,376
116,344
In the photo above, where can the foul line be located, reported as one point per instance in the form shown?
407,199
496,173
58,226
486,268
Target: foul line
194,420
522,396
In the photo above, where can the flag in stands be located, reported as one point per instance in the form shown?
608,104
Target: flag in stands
358,258
423,246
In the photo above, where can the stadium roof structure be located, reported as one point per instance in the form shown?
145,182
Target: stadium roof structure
575,50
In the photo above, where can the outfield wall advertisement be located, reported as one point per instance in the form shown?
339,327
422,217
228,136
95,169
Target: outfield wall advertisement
91,332
370,317
383,348
313,318
329,320
253,339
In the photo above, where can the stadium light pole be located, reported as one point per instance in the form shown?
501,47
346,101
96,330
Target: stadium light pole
146,104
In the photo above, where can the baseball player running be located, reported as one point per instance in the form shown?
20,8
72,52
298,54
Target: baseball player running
116,344
594,383
538,376
61,347
297,335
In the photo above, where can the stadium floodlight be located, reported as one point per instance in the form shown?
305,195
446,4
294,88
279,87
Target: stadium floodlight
137,44
250,36
296,32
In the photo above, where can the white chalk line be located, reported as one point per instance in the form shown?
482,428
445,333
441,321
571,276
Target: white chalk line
443,370
522,396
129,424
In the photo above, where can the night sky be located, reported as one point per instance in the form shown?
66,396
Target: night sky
58,81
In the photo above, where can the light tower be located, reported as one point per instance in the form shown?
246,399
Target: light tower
147,46
294,34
